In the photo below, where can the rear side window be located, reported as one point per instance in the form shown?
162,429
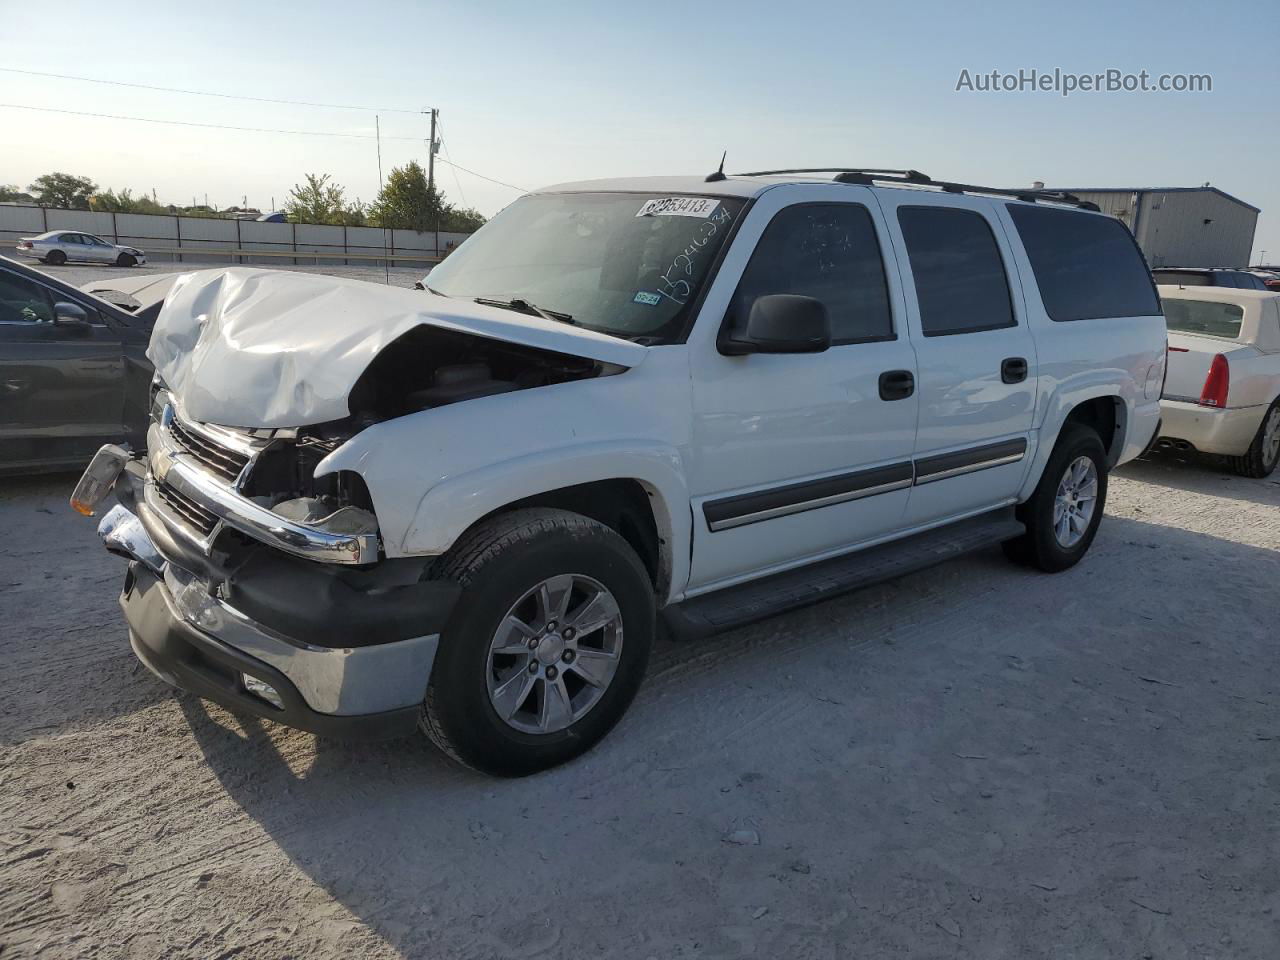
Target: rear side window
1203,317
1086,265
1180,279
827,251
960,281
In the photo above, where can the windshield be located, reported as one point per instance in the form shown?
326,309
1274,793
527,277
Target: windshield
626,264
1203,317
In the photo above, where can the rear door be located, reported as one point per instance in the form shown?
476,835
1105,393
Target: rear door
975,354
62,388
73,245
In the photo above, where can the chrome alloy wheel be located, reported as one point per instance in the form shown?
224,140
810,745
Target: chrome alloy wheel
1271,437
554,654
1075,502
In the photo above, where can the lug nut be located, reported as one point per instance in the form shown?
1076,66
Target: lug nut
533,666
533,643
568,656
568,633
551,626
552,672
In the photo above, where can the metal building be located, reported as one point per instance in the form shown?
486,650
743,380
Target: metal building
1181,226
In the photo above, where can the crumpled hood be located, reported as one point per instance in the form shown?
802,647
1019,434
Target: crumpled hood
251,347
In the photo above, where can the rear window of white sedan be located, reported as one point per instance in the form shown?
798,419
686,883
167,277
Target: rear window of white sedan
1203,317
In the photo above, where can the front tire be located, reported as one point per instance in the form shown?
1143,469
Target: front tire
1264,453
56,258
547,646
1063,514
126,260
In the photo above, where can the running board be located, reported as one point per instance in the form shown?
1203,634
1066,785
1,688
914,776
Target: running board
757,599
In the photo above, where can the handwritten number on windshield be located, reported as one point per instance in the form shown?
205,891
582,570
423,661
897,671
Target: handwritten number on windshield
676,283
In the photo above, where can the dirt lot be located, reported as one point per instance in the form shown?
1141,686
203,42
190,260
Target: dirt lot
975,761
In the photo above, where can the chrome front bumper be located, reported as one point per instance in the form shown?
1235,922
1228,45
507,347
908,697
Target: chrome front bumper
331,681
169,464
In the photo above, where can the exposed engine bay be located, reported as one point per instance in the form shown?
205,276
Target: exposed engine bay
423,369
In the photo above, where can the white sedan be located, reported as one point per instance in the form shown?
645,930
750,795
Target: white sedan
1222,391
60,246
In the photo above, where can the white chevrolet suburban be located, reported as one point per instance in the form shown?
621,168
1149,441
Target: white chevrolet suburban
695,400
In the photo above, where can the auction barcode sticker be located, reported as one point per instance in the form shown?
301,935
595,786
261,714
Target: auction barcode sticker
679,207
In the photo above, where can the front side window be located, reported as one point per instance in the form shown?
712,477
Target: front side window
23,300
827,251
959,274
1203,317
1086,265
626,264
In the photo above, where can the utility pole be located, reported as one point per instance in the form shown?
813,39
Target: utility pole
431,155
431,175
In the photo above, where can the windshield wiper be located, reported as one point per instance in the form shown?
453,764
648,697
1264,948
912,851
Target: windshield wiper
524,306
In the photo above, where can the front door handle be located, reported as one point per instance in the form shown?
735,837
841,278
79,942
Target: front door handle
1013,370
897,384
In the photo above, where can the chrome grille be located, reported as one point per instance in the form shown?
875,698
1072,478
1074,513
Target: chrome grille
187,510
222,461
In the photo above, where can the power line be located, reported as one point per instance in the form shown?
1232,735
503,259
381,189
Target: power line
456,179
206,93
501,183
223,126
207,126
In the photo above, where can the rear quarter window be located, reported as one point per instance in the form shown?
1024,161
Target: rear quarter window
1086,265
1203,317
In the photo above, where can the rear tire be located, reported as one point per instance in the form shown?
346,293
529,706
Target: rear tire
56,258
1061,522
1264,453
502,564
126,260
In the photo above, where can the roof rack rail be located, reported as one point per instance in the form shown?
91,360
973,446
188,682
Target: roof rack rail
869,176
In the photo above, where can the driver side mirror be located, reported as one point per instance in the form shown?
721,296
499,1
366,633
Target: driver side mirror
782,323
71,316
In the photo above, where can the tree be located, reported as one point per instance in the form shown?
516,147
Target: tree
462,219
10,193
63,190
109,201
406,202
319,201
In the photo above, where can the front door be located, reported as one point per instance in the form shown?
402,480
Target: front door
61,387
975,353
99,250
804,455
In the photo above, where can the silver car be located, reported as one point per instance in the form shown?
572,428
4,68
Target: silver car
60,246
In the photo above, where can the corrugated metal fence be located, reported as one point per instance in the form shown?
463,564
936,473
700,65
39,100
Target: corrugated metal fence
194,238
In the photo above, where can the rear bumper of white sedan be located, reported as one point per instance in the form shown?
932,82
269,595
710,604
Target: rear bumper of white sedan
1210,430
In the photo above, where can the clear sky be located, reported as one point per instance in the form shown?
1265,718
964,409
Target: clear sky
535,93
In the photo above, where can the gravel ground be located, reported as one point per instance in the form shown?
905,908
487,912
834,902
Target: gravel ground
974,761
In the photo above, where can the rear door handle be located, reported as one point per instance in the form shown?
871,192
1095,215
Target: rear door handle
897,384
1013,370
